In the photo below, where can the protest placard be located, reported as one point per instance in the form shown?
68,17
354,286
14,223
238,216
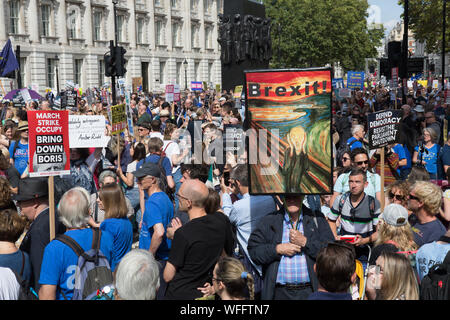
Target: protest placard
87,131
237,92
176,92
25,95
69,99
435,84
118,118
196,86
338,83
345,93
394,77
130,120
355,80
48,143
383,127
170,89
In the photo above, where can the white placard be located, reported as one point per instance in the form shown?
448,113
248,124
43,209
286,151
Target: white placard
87,131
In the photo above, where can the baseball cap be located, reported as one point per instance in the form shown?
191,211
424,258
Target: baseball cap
222,99
419,108
148,169
396,215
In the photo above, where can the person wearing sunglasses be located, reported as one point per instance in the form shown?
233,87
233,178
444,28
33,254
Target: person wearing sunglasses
425,199
360,159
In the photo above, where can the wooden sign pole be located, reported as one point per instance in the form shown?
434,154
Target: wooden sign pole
51,200
118,150
382,178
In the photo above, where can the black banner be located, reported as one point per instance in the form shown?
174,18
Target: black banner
383,127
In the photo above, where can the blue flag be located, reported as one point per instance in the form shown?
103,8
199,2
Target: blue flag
8,61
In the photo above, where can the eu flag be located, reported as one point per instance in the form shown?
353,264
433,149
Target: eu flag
8,61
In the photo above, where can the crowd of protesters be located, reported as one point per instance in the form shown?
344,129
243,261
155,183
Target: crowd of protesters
177,221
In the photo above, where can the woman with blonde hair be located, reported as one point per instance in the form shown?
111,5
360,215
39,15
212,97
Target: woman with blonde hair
393,278
230,281
394,233
112,200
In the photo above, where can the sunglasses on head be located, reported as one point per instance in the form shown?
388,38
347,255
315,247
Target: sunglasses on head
396,196
362,162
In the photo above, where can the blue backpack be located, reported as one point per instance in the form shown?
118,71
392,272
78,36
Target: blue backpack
93,277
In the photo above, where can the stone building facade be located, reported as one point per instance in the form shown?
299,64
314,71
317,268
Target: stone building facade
70,38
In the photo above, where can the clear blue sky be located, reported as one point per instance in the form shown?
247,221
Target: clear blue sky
386,12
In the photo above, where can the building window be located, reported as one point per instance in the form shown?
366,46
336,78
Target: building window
101,72
194,5
140,30
174,4
73,19
194,36
196,71
178,70
51,66
120,21
162,74
14,16
45,20
176,34
97,25
208,38
77,72
158,3
23,66
159,38
210,72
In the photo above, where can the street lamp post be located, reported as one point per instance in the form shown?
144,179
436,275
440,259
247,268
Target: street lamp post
185,65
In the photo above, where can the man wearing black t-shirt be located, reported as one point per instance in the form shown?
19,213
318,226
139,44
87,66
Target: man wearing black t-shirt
197,245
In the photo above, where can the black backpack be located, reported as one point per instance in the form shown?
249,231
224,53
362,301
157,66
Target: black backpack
25,291
436,284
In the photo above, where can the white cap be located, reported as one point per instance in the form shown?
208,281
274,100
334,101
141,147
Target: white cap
395,215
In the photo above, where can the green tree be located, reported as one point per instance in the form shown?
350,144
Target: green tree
425,21
311,33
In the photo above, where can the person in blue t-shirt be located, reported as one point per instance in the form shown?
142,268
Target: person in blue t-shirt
357,137
18,150
112,200
427,154
158,213
404,160
431,254
155,153
60,262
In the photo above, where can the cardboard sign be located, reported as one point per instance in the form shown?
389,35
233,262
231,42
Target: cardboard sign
383,127
87,131
176,92
345,93
355,80
170,92
118,118
337,83
394,74
237,92
69,99
48,143
196,86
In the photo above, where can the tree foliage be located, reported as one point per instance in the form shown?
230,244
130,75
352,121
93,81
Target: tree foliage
312,33
426,21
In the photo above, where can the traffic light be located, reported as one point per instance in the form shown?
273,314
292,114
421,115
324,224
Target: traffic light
110,64
120,61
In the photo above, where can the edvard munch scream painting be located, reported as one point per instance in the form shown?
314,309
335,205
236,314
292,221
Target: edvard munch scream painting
289,149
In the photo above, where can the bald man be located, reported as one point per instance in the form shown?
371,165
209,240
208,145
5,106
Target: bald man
197,245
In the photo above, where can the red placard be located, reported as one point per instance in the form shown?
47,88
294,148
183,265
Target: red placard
48,143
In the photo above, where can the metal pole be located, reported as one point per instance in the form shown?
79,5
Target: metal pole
444,14
185,78
111,47
405,48
19,76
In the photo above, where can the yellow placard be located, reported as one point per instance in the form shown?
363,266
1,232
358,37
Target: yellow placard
118,118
